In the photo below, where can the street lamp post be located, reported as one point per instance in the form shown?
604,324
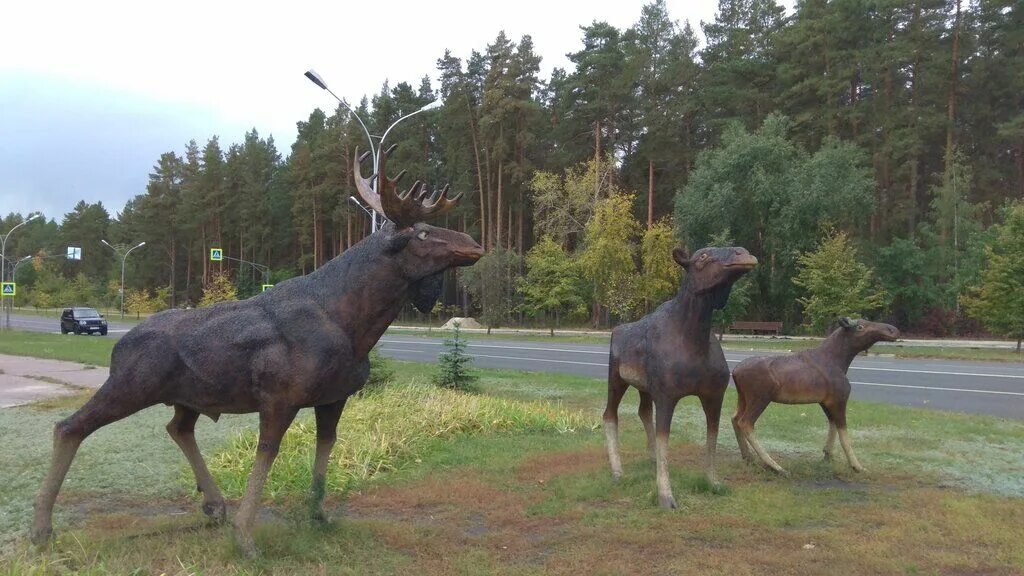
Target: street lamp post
3,262
124,258
316,79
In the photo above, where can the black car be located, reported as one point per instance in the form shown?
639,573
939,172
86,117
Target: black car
82,321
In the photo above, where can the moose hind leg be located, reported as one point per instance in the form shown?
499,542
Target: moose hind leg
181,428
754,409
326,433
102,409
830,441
273,425
713,413
646,413
741,406
616,389
663,424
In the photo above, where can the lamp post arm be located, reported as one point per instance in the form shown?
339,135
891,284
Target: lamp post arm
353,112
393,124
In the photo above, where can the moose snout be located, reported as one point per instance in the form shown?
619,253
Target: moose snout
467,255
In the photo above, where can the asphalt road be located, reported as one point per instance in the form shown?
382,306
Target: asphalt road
995,388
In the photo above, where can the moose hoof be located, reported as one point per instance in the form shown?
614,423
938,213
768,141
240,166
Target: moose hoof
616,476
319,516
828,456
781,472
246,545
667,502
40,536
216,510
859,469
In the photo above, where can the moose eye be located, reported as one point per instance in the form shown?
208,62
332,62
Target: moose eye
704,256
422,235
860,327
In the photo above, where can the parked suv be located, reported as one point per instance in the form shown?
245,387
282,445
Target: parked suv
82,321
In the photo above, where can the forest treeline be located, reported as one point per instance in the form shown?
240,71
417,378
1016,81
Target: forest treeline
893,127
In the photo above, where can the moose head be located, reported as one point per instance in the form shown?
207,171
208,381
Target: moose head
714,270
862,334
420,252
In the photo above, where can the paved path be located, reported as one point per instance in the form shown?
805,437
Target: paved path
24,380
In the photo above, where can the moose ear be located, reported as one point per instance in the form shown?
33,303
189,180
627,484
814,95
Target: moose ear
847,322
681,257
398,240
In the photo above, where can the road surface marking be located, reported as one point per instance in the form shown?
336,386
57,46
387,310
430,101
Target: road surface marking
571,351
1000,392
604,365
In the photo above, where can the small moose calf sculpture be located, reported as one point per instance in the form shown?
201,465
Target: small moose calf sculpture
811,376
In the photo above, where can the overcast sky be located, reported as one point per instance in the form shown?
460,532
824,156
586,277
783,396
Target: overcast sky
91,93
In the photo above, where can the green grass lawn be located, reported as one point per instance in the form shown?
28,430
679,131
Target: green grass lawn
93,350
510,494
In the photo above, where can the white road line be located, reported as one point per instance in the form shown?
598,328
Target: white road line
999,392
572,351
603,365
981,374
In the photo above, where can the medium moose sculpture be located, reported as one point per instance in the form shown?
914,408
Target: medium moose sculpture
808,377
303,344
669,354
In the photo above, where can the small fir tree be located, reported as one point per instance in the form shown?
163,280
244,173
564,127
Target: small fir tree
454,364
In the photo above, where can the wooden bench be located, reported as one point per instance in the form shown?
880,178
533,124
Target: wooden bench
767,327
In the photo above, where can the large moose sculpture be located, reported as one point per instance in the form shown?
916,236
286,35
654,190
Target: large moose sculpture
670,354
815,376
303,344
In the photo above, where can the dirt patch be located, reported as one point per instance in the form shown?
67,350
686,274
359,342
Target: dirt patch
439,519
543,467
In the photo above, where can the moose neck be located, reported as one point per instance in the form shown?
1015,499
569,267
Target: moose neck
693,312
362,291
839,348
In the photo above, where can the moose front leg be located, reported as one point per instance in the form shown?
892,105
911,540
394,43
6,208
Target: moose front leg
326,433
663,425
273,425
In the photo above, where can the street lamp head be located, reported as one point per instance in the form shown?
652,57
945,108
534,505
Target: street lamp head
316,79
141,244
33,217
105,242
432,106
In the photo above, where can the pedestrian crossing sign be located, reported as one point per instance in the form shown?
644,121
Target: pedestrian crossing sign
216,254
9,289
267,287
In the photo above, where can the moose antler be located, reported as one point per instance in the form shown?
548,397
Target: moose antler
405,209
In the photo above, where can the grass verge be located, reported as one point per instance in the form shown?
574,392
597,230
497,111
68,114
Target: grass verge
384,431
92,350
944,493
